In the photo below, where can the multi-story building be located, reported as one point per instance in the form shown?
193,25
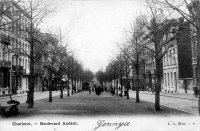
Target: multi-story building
193,6
177,71
149,65
17,21
5,62
177,61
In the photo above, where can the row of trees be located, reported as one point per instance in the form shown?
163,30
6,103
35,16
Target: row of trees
44,47
150,36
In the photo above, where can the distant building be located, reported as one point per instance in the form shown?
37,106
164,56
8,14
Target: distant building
149,64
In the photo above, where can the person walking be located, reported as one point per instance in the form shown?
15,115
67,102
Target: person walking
89,90
195,90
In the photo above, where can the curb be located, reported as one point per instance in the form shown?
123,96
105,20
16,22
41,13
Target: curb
196,99
24,94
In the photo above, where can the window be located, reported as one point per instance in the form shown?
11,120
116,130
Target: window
26,48
172,79
164,61
23,46
174,52
13,58
167,62
23,63
165,79
9,57
170,57
19,44
20,61
175,81
16,61
168,79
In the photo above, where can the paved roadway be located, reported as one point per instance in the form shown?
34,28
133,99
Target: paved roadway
85,104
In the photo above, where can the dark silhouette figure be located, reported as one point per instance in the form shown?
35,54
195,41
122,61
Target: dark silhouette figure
89,90
196,90
98,90
112,90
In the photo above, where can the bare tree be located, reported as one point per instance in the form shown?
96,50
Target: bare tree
62,55
37,11
52,57
112,71
134,49
159,28
121,64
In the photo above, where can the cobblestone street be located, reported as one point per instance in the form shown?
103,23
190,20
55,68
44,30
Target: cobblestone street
85,104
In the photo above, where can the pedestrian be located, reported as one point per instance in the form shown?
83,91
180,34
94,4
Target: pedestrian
100,89
89,90
195,88
112,90
96,90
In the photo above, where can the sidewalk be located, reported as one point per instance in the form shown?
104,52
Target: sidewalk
175,95
37,96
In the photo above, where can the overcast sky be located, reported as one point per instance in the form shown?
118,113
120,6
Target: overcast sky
93,27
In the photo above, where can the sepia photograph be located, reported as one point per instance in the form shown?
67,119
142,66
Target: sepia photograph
100,65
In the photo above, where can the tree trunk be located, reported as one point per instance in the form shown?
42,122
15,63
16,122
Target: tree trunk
127,91
117,86
50,87
121,86
157,100
61,88
30,94
72,86
127,87
114,86
158,84
68,86
198,49
61,93
198,69
137,88
17,80
150,82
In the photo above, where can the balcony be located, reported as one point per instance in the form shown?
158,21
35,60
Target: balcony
17,68
5,39
4,63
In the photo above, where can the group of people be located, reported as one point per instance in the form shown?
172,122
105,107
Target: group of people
97,89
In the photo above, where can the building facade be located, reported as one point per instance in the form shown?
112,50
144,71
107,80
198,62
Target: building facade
15,54
177,62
